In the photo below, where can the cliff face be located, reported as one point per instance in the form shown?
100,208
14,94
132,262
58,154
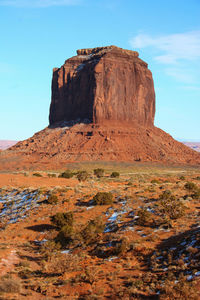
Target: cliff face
112,89
101,85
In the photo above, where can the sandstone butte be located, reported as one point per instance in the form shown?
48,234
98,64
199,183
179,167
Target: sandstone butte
102,109
103,84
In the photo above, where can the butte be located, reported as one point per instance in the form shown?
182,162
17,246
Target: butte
102,109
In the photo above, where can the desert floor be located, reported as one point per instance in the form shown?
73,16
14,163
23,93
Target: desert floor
144,243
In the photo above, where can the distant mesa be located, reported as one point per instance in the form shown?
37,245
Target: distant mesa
5,144
102,109
194,145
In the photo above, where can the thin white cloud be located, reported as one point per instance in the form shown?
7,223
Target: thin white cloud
172,48
181,75
179,53
38,3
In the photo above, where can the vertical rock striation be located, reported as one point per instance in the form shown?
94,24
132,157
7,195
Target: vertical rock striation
104,84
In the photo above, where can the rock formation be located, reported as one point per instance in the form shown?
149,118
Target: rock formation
102,109
103,84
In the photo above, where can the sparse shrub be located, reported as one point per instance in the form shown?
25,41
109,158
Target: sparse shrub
121,247
103,198
197,178
144,217
114,175
99,172
40,191
65,235
172,207
60,263
138,284
64,222
37,174
165,195
82,175
24,264
49,249
62,219
52,199
181,289
62,189
65,201
25,273
89,275
91,231
164,222
3,223
51,175
155,181
182,177
196,194
9,285
66,174
190,186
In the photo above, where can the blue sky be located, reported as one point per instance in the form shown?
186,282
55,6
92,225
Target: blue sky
36,36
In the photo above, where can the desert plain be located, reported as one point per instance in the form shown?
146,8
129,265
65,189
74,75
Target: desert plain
141,243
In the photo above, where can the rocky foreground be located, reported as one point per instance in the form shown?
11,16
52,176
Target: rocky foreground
120,233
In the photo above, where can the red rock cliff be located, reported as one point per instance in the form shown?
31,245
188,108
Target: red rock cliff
103,84
112,89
